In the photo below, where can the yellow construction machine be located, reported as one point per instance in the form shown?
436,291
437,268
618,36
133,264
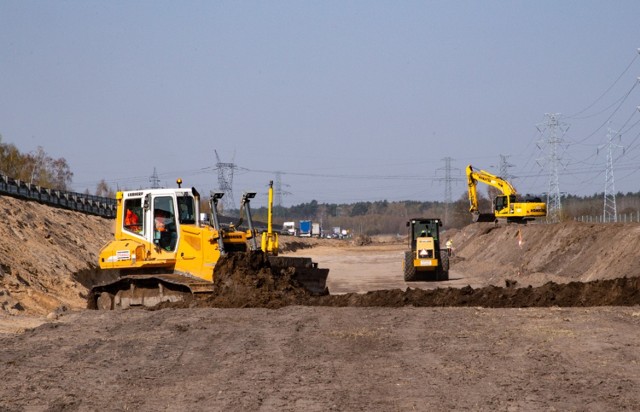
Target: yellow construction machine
163,252
269,243
505,206
425,260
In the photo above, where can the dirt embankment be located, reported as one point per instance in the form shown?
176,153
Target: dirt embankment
537,253
41,250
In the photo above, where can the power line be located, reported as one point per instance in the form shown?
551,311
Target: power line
573,116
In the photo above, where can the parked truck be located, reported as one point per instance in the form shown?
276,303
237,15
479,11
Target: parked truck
305,228
316,230
289,228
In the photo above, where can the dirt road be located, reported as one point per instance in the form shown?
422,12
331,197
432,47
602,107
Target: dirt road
301,358
376,267
318,359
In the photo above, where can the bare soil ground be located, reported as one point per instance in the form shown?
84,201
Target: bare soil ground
375,343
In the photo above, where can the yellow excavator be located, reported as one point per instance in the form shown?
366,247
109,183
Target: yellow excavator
507,206
163,252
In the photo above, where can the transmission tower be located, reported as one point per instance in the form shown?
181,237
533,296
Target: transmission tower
448,179
225,182
504,167
155,181
610,213
551,143
278,192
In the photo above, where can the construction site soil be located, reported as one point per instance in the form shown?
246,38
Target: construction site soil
536,317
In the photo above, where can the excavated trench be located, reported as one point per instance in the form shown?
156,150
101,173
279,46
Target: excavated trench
247,281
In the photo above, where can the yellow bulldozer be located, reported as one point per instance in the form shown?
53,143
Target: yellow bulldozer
507,206
163,252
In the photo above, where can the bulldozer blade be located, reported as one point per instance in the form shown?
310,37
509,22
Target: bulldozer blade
307,272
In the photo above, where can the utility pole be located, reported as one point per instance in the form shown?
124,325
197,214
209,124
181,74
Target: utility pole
155,181
225,182
447,179
555,131
610,213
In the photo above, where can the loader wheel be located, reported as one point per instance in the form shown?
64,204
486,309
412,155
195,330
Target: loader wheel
443,270
409,270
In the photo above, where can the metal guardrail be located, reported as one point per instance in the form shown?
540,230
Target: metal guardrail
89,204
619,218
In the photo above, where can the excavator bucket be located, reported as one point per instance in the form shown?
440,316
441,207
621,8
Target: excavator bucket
483,217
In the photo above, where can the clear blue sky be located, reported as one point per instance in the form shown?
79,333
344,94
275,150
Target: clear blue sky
350,100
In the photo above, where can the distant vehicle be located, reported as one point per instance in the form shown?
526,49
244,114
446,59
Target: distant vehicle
305,228
316,231
289,228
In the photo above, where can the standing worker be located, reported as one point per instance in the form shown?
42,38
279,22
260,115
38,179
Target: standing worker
449,245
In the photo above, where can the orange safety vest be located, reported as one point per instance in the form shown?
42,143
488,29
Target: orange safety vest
131,221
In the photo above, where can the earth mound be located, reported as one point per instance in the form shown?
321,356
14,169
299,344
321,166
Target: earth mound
248,280
602,292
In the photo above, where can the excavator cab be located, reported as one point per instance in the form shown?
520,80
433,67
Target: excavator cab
425,260
503,202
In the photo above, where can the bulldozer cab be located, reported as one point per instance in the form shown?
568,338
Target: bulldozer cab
156,215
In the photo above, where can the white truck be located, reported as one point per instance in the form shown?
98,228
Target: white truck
289,228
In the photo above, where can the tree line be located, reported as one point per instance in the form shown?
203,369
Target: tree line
385,217
36,167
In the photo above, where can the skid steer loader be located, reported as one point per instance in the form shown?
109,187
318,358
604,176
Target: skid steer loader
163,252
425,260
